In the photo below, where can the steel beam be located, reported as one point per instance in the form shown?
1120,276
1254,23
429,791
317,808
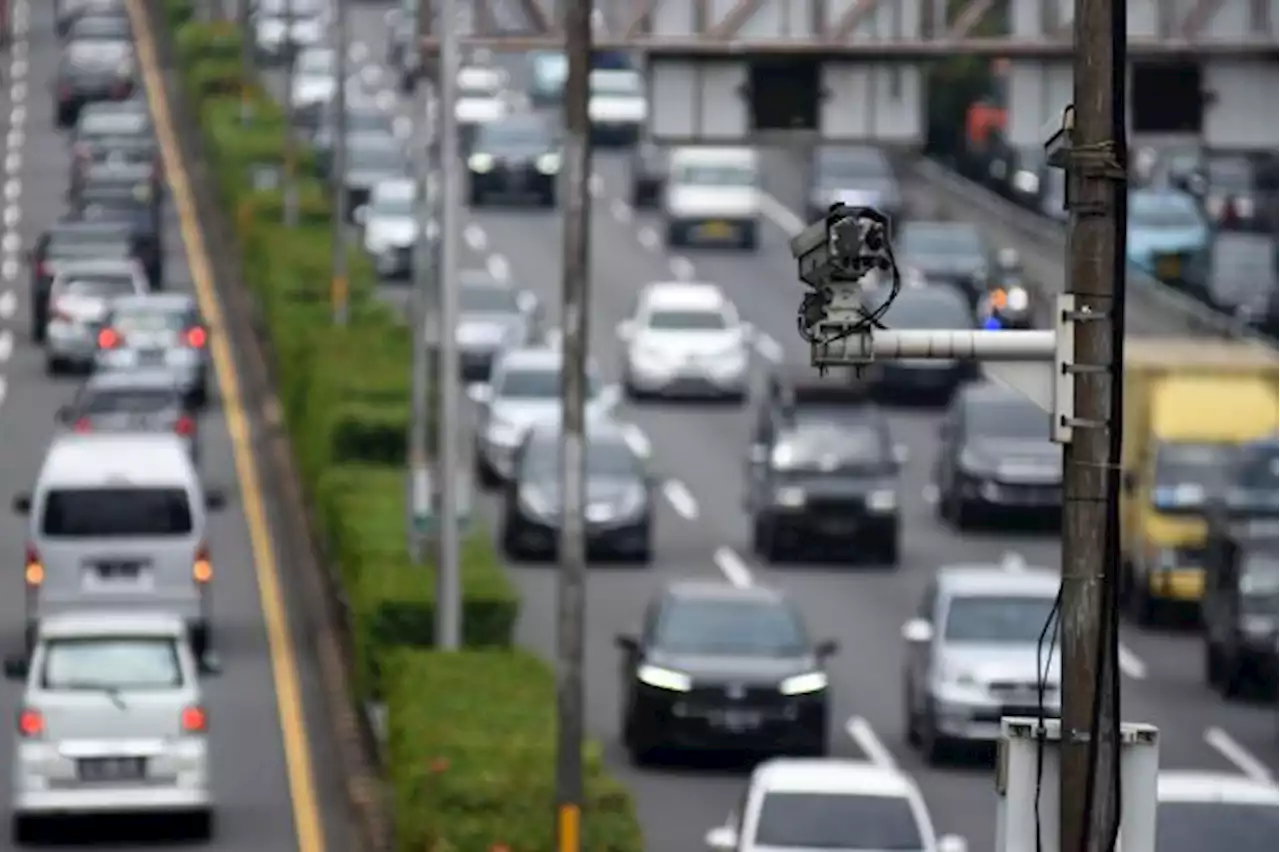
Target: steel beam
536,17
970,16
851,20
734,20
1200,15
642,18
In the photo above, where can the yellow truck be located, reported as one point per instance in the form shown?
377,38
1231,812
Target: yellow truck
1188,406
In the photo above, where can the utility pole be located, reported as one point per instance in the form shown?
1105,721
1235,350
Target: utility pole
290,109
339,289
1090,528
575,311
248,40
448,447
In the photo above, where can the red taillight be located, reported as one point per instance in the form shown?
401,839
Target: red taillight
82,425
202,566
185,426
33,568
120,90
194,720
30,723
43,269
109,338
64,92
197,337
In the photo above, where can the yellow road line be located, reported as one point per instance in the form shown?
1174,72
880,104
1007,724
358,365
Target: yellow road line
284,665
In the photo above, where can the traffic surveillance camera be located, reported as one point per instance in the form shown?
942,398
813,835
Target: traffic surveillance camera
843,246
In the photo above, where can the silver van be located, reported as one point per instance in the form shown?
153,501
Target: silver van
118,522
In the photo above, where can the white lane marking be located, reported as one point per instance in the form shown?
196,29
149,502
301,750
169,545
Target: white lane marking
1131,665
680,499
648,238
636,440
17,115
864,737
19,68
6,345
18,92
1239,756
357,52
732,567
11,243
595,186
769,349
681,268
498,267
12,189
619,210
12,215
474,236
4,388
8,301
779,214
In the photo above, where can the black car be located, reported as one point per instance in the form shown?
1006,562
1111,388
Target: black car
362,121
371,160
1241,273
995,458
618,509
946,253
68,12
822,473
516,157
133,401
1238,610
932,307
857,175
721,668
72,240
648,174
100,204
90,71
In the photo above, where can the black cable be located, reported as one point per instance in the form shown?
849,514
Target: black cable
1050,629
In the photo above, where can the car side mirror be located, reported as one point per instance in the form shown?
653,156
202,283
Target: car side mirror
827,648
209,665
1128,482
22,504
16,667
215,499
626,330
627,643
917,631
758,454
722,839
952,843
360,215
64,414
480,394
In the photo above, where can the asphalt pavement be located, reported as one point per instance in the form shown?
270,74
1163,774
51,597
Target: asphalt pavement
699,455
264,802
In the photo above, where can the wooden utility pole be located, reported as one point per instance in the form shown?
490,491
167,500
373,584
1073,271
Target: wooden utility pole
1090,525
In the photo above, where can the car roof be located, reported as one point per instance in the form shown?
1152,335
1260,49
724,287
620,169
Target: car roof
1012,578
74,269
1181,785
144,379
174,302
827,775
112,623
718,590
682,294
716,156
101,458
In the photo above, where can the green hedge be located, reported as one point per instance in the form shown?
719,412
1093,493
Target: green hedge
471,733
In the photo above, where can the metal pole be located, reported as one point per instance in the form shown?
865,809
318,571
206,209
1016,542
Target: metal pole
247,41
571,613
1089,788
339,288
290,139
448,448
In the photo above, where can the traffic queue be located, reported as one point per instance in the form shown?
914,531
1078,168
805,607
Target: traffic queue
117,573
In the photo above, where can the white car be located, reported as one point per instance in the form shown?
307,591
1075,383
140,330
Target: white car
686,339
711,197
315,77
480,99
617,107
390,222
832,805
112,721
283,26
1214,810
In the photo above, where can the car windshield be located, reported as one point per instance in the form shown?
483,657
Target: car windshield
939,240
1011,417
116,513
111,663
605,460
367,121
615,83
831,448
98,286
78,245
756,628
665,319
94,53
1200,826
394,206
1186,474
147,321
317,63
710,174
841,166
1165,212
376,157
511,135
837,821
932,307
127,401
113,124
537,383
488,300
986,619
1232,175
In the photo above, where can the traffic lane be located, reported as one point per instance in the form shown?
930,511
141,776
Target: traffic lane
248,769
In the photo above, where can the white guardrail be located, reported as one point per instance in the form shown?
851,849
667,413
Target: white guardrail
1145,293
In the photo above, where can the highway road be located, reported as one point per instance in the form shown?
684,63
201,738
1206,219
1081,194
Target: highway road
699,452
274,792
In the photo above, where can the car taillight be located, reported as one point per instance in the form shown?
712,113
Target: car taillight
109,338
197,337
202,566
120,89
33,568
43,269
83,151
82,425
30,723
185,426
194,720
64,92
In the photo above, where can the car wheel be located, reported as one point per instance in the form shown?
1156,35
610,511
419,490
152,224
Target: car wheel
932,746
749,239
475,198
201,639
675,236
640,752
912,719
53,366
485,474
1232,677
201,825
1141,606
1212,666
888,552
512,547
959,513
23,830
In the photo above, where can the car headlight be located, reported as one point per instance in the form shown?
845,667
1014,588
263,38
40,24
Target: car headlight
1016,299
884,500
661,678
535,501
804,684
971,462
1025,181
480,163
548,164
791,497
502,433
1257,625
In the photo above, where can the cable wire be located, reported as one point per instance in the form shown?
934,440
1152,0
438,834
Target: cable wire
1044,664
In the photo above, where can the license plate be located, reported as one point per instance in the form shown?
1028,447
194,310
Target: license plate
151,356
741,720
717,230
111,769
1168,267
119,570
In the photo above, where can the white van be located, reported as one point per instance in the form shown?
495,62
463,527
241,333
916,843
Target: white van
118,522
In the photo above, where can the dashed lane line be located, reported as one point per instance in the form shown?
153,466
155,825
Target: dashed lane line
681,499
1239,756
733,568
865,738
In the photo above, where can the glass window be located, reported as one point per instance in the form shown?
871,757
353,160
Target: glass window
116,513
730,627
148,321
1231,174
123,662
488,300
688,320
837,165
710,174
507,135
617,83
837,821
87,245
1200,826
99,286
131,401
983,618
1188,474
376,157
924,309
317,62
605,459
1165,212
831,447
542,383
1007,418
